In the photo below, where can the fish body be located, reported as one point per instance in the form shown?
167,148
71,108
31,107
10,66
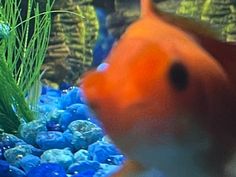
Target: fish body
166,101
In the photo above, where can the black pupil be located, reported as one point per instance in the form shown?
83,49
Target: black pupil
178,76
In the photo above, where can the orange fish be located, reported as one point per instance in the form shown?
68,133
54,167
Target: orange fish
168,99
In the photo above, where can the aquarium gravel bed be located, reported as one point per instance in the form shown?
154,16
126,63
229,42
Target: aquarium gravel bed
65,141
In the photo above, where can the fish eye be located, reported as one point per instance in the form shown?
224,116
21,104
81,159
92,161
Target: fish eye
178,76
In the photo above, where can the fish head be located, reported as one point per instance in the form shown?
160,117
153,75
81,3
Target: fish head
144,86
152,79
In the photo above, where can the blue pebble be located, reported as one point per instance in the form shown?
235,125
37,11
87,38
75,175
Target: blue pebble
55,115
15,140
47,170
44,90
53,125
79,141
87,173
7,170
71,96
47,103
51,140
116,160
4,146
68,137
29,131
4,166
2,154
35,151
4,30
46,107
89,167
106,170
84,133
75,112
64,86
15,172
65,119
64,157
6,142
14,155
101,151
28,162
102,67
81,155
79,111
49,91
107,139
47,99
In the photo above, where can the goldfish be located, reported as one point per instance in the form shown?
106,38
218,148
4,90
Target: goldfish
168,99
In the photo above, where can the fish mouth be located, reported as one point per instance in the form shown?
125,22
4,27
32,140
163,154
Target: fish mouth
117,108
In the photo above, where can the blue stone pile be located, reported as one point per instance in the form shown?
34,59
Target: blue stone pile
65,141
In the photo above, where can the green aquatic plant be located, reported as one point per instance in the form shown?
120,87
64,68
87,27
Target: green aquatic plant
13,108
21,57
22,51
25,53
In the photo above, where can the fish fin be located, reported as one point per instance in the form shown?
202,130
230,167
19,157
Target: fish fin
194,27
205,35
147,8
130,169
189,25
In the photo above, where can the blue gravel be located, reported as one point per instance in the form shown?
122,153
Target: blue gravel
84,133
104,152
74,112
72,96
47,170
66,140
64,157
84,167
53,125
102,67
81,155
28,162
15,172
4,167
6,170
29,131
14,155
51,139
106,170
